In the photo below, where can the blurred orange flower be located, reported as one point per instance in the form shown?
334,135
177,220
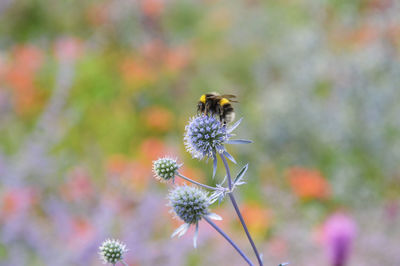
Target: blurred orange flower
136,176
133,174
308,183
158,118
192,173
257,217
227,217
393,33
153,50
176,59
20,76
98,14
364,35
28,57
156,54
136,72
151,149
152,8
116,164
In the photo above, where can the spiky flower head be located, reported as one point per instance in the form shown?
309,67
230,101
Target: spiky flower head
112,251
165,168
189,203
204,136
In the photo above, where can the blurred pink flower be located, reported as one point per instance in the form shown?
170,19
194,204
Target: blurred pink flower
339,232
278,247
68,48
16,201
78,186
116,164
82,233
392,210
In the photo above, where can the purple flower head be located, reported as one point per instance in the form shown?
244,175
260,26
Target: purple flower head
206,136
190,204
339,232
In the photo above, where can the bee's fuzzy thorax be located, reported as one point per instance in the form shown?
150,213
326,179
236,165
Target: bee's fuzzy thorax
203,98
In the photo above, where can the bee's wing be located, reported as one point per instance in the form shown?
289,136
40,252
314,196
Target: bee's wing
228,96
214,97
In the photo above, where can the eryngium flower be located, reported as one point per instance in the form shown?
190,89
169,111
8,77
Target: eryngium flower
190,204
112,251
204,136
165,168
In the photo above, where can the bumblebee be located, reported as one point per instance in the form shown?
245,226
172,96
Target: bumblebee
219,105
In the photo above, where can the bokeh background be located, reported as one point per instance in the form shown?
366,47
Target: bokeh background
92,91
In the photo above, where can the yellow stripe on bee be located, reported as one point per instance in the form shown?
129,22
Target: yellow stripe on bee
223,101
203,98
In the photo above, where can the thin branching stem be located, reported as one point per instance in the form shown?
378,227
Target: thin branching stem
195,182
219,230
232,198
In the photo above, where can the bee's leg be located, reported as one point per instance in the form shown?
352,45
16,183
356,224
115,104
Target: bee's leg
207,108
220,112
223,119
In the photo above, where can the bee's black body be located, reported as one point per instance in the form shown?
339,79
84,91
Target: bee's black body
219,105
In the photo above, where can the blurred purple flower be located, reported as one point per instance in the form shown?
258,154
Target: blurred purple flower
339,232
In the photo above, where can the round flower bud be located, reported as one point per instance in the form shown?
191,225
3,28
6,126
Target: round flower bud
189,203
112,251
165,168
204,136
